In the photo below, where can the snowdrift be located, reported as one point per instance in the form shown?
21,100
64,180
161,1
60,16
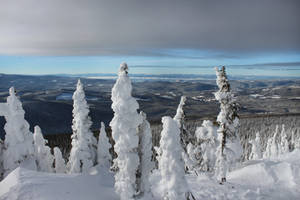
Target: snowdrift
259,179
24,184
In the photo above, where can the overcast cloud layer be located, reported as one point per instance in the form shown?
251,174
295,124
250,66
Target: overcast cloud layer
136,27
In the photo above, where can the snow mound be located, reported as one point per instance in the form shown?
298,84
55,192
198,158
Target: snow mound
24,184
276,179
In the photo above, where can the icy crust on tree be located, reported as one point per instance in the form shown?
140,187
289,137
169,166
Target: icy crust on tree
103,156
60,163
145,154
83,152
173,184
256,151
124,132
18,142
43,156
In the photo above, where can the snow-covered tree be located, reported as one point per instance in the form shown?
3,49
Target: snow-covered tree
185,136
18,141
275,148
267,153
59,162
103,155
256,152
43,156
145,154
295,140
229,149
1,159
180,119
84,144
272,148
284,144
192,159
171,165
207,138
125,134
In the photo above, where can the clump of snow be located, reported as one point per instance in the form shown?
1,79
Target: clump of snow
43,156
124,131
83,152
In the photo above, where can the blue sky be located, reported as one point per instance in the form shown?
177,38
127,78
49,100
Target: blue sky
164,61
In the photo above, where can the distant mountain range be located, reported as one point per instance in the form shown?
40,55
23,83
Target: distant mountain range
47,99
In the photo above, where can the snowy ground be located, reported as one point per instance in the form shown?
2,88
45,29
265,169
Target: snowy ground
262,179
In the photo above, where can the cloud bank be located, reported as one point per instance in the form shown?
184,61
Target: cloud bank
135,27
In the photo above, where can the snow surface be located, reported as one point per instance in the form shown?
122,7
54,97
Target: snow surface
255,179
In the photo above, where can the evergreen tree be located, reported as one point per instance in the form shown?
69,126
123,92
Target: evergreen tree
124,131
171,165
185,136
295,140
103,155
229,149
18,142
1,159
145,154
60,163
44,158
284,144
207,138
256,152
268,152
275,148
84,144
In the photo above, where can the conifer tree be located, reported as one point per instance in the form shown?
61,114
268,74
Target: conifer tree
18,141
180,119
284,144
124,132
207,139
268,153
60,163
256,152
1,159
229,149
145,154
43,156
275,148
171,165
84,144
104,158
